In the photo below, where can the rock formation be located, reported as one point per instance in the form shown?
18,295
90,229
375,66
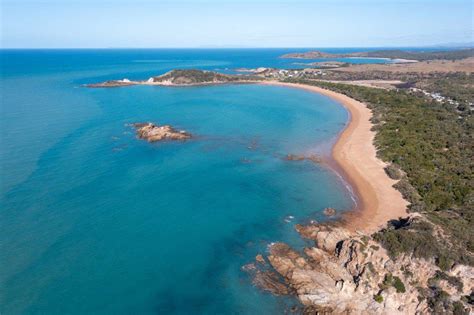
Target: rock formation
111,83
153,133
330,212
348,273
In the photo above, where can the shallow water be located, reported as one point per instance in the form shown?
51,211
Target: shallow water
95,221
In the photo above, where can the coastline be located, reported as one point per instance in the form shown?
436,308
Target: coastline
355,156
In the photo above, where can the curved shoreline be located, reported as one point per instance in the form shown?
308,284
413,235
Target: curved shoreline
356,159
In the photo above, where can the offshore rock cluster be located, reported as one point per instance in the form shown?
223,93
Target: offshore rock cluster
153,133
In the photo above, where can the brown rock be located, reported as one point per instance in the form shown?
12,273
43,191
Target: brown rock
330,212
270,281
343,273
299,157
294,157
111,83
153,133
259,258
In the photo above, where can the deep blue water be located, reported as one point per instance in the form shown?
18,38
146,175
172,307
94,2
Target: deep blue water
94,221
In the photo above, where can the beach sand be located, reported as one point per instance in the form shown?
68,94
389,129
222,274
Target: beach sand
355,156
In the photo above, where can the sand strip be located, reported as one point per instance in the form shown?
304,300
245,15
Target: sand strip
355,155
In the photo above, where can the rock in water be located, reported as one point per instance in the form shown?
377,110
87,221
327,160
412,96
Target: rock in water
153,133
330,212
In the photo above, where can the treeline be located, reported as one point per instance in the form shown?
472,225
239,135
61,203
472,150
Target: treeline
390,53
433,146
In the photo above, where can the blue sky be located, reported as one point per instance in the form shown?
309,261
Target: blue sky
245,23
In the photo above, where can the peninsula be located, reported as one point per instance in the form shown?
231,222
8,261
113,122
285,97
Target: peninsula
181,78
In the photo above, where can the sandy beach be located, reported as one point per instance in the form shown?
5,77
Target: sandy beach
355,155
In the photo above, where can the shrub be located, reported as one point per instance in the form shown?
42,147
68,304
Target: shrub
459,309
393,172
398,285
378,298
453,281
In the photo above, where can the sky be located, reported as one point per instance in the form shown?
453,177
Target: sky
244,23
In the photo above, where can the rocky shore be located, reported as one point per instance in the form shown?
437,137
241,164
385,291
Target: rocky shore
154,133
351,273
111,83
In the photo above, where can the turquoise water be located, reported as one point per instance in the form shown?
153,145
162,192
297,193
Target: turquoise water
94,221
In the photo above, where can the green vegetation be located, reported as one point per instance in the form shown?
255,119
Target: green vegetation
459,309
374,247
433,145
454,281
417,238
192,76
391,281
398,285
370,265
378,298
392,54
421,55
393,172
456,86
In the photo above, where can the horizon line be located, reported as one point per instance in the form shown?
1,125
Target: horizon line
460,45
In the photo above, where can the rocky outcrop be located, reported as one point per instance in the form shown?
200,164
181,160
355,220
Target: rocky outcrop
153,133
111,83
330,212
348,273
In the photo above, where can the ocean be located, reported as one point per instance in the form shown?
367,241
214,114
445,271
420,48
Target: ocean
95,221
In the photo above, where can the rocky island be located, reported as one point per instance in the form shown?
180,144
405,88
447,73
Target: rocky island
189,77
153,133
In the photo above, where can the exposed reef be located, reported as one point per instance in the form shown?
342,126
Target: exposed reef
153,133
330,212
299,157
111,83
